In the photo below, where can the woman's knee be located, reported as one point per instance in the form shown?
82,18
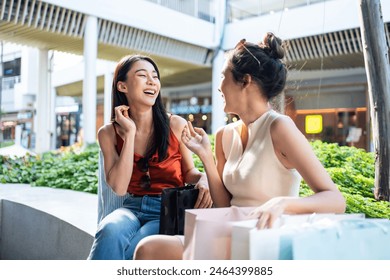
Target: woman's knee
159,247
117,228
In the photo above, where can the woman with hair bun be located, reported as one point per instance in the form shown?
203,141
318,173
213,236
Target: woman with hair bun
260,159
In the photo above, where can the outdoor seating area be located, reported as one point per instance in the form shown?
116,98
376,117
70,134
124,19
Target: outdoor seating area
40,223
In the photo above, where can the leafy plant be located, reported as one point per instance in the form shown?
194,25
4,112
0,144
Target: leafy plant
70,168
353,172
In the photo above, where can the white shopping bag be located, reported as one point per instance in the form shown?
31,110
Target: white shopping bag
240,239
365,239
275,243
207,232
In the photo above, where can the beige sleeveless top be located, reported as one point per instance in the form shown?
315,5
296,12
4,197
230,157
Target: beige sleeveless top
255,175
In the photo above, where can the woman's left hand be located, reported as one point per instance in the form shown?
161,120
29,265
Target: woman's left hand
269,212
204,198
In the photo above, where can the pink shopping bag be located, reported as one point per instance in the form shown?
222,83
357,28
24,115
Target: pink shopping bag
207,232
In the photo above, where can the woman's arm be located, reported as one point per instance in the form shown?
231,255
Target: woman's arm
118,168
196,139
294,151
190,173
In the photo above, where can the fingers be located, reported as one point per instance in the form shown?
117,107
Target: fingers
191,128
121,108
263,221
204,199
126,113
199,131
185,135
189,133
266,220
120,111
195,132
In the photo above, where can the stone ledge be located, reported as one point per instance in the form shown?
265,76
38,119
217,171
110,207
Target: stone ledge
46,223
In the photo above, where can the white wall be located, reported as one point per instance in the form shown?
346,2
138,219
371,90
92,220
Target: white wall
75,72
146,16
328,16
29,70
25,91
350,98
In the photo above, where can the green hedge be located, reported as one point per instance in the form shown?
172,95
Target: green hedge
73,168
67,168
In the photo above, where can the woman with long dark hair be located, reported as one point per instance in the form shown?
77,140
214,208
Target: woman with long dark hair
143,154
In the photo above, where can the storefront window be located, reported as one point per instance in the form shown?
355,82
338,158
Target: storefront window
347,127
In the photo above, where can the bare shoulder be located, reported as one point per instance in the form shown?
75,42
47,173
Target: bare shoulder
106,129
283,124
218,139
177,124
106,133
285,134
219,132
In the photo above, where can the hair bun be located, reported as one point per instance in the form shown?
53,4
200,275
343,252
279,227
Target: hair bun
274,44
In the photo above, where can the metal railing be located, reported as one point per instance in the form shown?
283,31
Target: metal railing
9,82
242,9
202,9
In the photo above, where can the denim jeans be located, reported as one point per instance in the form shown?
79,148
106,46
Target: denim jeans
120,231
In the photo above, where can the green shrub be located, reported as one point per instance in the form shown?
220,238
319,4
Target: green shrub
68,168
351,169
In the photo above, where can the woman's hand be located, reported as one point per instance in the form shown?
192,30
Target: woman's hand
269,212
204,198
196,139
122,118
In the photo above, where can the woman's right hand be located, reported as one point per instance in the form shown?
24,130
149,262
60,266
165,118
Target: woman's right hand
196,140
122,118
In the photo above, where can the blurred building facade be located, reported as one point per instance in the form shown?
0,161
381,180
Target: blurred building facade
48,102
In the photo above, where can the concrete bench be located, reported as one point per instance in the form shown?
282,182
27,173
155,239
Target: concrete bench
43,223
52,224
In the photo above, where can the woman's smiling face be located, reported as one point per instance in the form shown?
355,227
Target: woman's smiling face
142,83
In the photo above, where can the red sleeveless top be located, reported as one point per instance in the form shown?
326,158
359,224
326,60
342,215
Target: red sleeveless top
164,174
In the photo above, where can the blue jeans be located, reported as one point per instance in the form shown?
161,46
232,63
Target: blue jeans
119,232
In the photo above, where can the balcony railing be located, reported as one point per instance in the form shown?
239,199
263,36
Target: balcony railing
9,82
242,9
202,9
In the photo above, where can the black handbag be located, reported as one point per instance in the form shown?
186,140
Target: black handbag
174,201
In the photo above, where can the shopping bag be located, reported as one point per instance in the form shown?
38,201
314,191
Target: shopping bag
240,239
207,232
276,243
174,201
367,239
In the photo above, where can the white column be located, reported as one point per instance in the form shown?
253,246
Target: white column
18,135
52,102
53,118
108,76
42,127
89,83
218,115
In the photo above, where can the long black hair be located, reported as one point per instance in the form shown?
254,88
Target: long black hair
160,140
